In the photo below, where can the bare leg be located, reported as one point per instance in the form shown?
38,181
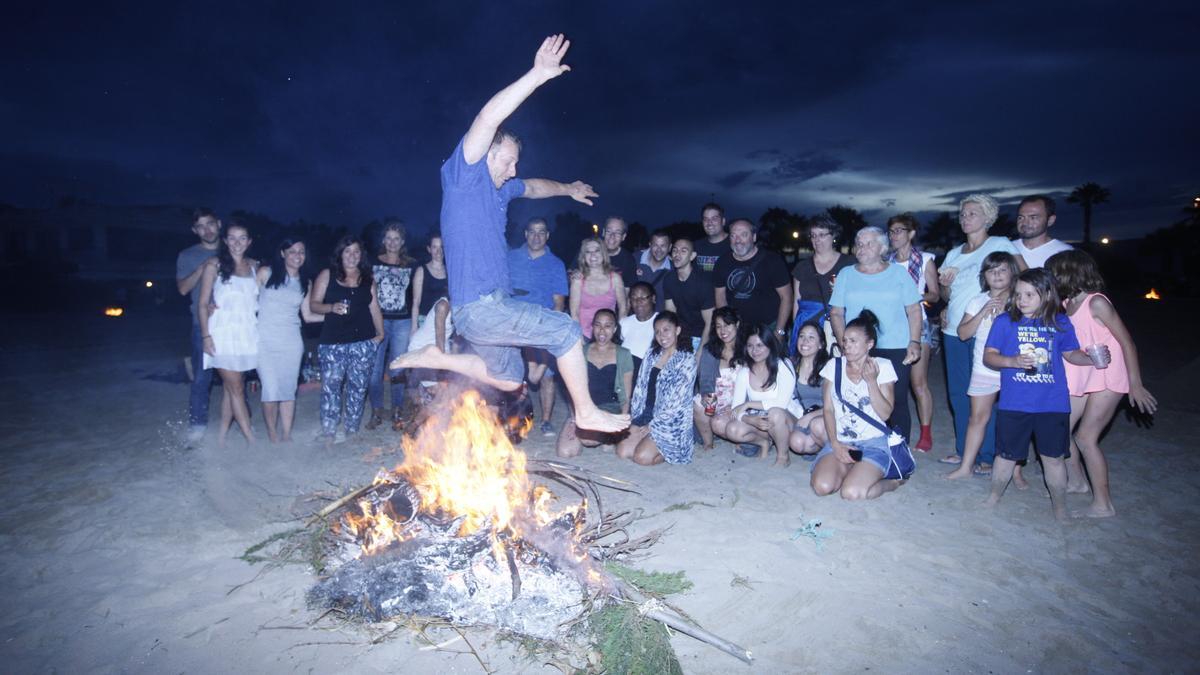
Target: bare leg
1098,412
981,412
568,443
920,387
1055,470
627,448
572,367
546,394
647,453
703,424
1002,472
235,393
469,365
781,424
1077,480
270,414
226,416
287,415
827,475
861,481
1019,481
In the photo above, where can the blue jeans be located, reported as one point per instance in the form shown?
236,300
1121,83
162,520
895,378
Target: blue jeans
396,333
959,354
201,384
498,326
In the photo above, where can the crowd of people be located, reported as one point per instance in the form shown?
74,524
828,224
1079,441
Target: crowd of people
819,362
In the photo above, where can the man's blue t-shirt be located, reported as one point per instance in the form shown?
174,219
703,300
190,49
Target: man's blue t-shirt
474,215
1042,388
542,277
886,294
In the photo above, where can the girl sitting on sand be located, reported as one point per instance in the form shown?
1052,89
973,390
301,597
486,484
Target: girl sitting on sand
610,379
1028,345
764,410
1095,391
808,435
857,456
719,359
997,275
661,429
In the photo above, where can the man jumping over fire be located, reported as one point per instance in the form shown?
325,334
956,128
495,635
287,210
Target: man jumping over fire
475,197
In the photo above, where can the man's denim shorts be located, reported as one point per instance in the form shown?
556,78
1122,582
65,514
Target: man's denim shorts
498,326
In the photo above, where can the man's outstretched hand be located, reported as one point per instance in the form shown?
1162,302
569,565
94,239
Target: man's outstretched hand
581,192
548,61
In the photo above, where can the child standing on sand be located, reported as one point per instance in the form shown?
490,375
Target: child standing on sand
1028,345
1096,390
997,275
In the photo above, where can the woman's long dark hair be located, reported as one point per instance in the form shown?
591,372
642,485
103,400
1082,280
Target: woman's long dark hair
683,343
1043,282
819,359
714,346
224,257
279,273
767,335
364,265
616,338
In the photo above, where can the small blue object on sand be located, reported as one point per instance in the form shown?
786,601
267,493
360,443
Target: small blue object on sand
747,450
812,530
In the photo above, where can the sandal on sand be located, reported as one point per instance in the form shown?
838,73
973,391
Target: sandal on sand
950,459
747,450
983,469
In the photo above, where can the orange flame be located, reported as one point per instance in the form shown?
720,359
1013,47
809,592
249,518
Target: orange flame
113,311
1153,295
468,469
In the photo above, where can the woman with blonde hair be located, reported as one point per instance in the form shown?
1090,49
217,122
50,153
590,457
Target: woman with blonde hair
596,287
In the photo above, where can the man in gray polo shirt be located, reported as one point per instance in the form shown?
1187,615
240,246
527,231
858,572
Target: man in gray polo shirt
188,270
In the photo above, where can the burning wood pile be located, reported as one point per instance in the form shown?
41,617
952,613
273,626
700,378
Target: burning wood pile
462,533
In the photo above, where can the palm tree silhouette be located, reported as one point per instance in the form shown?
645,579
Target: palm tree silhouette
1086,196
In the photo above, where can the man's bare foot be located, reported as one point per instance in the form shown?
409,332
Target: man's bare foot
991,502
783,463
598,420
959,473
1019,480
1060,514
763,449
426,357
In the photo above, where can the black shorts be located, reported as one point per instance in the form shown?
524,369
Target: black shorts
1051,431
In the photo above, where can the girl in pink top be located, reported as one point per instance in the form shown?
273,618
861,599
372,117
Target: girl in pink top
1095,392
596,287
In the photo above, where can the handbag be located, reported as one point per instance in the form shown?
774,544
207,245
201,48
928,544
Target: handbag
902,462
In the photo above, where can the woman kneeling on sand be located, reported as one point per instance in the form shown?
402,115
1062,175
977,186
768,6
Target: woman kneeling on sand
662,428
610,379
857,456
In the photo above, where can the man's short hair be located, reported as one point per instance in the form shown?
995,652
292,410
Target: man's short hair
753,225
1046,200
621,219
661,233
202,212
713,206
643,284
503,134
537,219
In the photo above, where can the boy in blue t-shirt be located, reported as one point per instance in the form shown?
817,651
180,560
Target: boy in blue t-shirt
1027,345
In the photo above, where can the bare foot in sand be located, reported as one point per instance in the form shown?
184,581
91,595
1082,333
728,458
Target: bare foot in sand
1019,480
1096,511
991,502
598,420
1078,488
959,473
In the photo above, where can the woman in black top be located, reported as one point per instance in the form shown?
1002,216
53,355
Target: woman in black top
813,276
351,333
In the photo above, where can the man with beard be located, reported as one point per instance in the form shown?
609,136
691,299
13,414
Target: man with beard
1035,216
716,241
753,281
189,267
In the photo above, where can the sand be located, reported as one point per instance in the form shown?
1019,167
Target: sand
120,545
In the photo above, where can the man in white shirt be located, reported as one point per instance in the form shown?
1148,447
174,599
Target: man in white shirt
1035,216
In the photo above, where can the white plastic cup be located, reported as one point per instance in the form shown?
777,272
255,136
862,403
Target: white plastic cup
1099,355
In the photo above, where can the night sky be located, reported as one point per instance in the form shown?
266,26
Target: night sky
344,114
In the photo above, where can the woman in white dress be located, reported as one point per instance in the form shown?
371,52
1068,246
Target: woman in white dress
229,329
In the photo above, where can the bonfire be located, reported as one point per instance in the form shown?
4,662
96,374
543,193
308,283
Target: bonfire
464,532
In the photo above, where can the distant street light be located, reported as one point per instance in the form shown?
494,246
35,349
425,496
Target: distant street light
1103,240
149,284
795,234
595,228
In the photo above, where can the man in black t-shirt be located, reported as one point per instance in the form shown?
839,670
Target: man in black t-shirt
715,242
753,281
621,260
689,293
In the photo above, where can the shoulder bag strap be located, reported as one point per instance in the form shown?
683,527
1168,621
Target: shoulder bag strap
837,385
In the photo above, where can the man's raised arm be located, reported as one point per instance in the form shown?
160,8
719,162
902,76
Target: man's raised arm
547,65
